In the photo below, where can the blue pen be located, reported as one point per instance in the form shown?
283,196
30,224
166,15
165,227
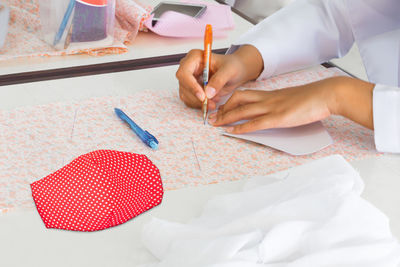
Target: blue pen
64,22
145,136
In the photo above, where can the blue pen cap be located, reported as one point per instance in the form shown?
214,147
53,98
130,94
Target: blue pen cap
152,141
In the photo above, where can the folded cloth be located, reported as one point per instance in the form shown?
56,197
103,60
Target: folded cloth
131,15
98,190
174,24
313,217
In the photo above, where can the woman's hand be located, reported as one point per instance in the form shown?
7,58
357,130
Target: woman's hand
227,72
298,105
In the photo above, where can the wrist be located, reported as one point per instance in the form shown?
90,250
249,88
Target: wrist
352,98
336,94
251,60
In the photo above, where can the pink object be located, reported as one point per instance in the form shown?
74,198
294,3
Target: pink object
131,15
98,190
94,2
175,24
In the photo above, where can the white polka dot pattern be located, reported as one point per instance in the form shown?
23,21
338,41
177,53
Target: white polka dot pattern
98,190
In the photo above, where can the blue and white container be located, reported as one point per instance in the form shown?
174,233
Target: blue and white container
77,24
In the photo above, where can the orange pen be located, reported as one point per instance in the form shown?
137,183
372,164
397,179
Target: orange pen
208,36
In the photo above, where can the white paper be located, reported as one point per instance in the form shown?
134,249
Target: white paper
301,140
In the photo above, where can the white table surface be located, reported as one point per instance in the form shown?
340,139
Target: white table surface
24,241
144,46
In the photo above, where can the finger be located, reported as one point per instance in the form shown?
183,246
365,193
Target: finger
193,102
189,70
211,104
259,123
219,79
244,112
188,98
239,98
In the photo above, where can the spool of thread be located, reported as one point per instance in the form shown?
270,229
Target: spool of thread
90,21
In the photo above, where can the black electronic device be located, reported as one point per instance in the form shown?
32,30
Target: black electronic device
193,10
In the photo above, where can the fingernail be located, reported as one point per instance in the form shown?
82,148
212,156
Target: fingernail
212,116
211,120
229,129
200,96
210,92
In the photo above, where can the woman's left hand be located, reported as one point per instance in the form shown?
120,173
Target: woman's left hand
296,106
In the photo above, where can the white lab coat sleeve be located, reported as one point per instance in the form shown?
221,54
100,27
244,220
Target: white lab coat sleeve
302,34
386,113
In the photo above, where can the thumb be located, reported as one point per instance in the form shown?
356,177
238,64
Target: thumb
220,78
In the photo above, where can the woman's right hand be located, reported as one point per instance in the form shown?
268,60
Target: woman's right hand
227,72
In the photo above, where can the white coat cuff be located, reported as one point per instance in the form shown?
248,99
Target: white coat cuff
386,112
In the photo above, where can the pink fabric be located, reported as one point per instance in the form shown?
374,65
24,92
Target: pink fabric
173,24
98,190
37,140
131,15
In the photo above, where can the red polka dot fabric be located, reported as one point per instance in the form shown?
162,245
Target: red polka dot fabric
98,190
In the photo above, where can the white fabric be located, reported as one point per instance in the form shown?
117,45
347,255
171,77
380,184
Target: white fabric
312,217
310,32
